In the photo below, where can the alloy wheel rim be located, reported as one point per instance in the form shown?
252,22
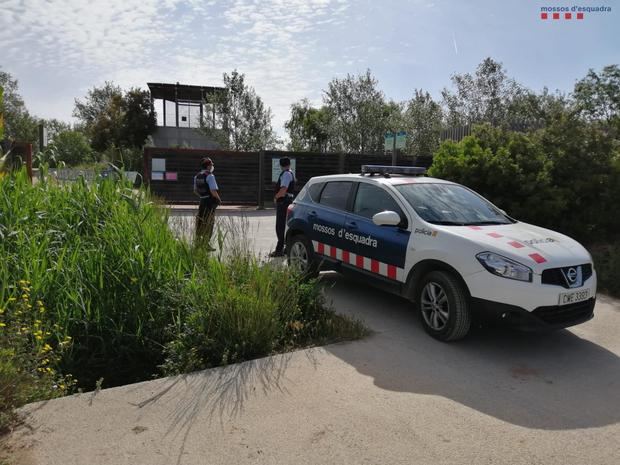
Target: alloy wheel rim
299,257
435,306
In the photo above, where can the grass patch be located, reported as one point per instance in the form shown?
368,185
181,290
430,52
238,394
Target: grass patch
126,300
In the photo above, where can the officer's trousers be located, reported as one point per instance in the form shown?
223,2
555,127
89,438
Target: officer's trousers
281,207
205,219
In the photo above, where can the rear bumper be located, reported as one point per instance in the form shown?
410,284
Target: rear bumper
540,319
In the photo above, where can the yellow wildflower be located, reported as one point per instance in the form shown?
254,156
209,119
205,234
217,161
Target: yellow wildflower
2,325
39,303
12,299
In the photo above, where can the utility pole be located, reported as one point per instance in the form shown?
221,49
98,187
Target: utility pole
394,158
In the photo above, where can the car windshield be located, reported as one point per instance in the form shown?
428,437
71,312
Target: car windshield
450,204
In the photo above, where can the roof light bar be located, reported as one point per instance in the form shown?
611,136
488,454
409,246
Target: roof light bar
387,170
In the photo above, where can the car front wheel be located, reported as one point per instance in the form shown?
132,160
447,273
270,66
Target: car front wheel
444,307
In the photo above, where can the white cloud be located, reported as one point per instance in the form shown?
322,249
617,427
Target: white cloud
135,41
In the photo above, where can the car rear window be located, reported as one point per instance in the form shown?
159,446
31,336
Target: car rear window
336,194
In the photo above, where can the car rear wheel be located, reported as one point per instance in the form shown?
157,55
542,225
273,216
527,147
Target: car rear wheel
443,306
301,256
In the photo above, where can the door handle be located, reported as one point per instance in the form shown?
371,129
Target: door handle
312,214
350,225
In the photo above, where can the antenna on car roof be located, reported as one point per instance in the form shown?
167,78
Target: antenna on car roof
387,170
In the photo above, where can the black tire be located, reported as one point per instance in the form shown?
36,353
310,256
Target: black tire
443,304
300,244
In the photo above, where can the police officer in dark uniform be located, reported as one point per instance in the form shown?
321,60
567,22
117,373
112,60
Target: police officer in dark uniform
285,189
206,188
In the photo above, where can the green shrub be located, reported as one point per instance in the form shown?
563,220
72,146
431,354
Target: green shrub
565,177
607,263
241,310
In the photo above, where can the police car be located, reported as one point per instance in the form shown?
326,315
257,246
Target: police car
454,254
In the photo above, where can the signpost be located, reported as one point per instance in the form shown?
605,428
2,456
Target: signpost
276,169
394,141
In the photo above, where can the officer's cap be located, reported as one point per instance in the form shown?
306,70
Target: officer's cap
285,161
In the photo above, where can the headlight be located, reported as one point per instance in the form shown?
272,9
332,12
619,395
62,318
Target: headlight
504,267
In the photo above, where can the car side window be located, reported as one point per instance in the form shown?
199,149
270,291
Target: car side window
336,194
371,200
315,191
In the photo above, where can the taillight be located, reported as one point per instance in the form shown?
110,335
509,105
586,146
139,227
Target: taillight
289,210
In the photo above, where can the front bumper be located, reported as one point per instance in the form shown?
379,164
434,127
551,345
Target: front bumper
541,318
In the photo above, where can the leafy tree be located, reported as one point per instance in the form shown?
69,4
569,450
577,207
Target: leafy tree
55,127
483,97
423,123
1,113
70,147
358,112
309,128
96,102
112,119
529,110
597,96
139,120
243,117
19,124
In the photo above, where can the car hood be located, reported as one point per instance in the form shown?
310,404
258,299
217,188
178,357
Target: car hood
536,247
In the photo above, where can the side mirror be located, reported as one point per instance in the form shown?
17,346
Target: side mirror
386,218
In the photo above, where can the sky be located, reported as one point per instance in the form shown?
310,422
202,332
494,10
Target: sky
291,49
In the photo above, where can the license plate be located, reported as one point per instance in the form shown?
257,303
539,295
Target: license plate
574,296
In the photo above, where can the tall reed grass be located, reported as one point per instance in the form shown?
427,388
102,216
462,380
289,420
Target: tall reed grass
138,301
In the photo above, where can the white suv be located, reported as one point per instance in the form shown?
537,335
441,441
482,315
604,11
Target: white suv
444,247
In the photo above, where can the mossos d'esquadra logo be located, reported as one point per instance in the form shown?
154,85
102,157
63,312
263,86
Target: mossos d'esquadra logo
571,11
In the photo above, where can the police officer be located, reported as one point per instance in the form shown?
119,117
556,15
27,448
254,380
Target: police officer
285,189
206,188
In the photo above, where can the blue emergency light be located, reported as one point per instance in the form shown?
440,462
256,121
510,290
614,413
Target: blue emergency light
387,170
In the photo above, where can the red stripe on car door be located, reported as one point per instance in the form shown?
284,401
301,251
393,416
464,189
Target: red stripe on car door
391,271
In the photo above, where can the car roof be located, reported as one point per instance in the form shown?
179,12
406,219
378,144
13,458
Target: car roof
394,179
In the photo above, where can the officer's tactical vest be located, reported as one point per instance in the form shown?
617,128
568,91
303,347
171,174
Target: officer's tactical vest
291,187
202,186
